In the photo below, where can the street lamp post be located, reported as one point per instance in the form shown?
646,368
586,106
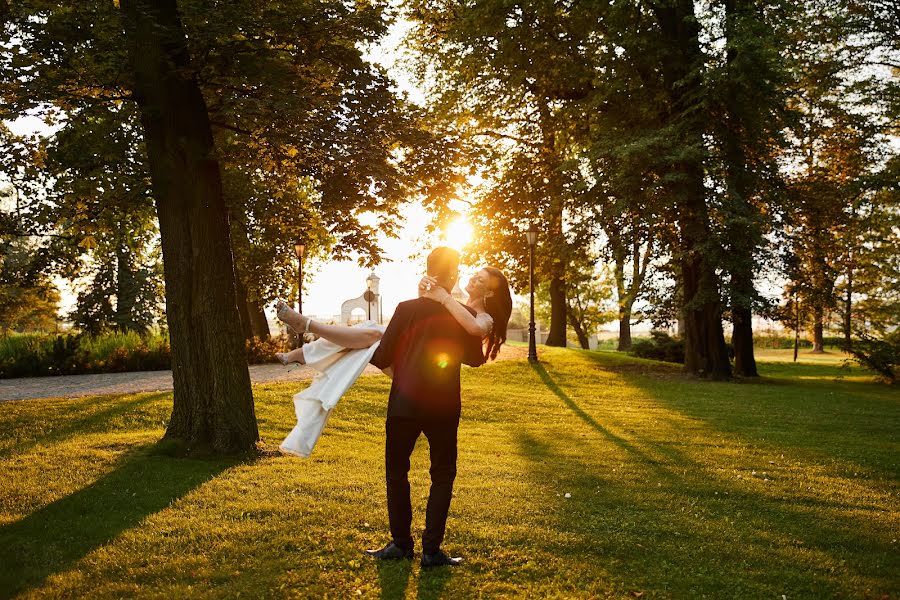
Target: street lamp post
369,295
299,250
531,235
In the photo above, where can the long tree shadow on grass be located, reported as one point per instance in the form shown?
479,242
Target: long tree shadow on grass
81,416
852,421
56,537
671,455
706,533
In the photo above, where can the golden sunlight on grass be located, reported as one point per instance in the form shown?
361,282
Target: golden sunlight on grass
590,474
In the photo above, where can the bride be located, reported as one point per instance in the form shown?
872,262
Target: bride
489,297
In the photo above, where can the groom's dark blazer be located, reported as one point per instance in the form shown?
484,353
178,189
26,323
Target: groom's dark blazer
426,346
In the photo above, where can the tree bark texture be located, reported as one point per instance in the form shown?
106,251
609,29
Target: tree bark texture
213,404
705,351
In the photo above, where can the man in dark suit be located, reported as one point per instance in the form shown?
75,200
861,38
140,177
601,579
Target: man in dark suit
425,347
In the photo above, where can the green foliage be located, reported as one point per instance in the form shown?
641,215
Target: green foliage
76,354
660,346
879,355
261,351
105,352
675,489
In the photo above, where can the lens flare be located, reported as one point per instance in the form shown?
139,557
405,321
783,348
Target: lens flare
458,233
443,359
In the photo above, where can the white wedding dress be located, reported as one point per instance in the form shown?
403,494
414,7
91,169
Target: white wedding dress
339,368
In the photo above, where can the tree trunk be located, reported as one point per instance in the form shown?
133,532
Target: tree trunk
704,341
557,334
242,306
213,404
743,222
579,332
848,298
848,311
624,329
253,318
818,331
742,342
258,322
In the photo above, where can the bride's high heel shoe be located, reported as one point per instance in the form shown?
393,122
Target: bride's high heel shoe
292,365
284,311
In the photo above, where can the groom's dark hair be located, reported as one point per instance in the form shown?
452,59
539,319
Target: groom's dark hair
443,265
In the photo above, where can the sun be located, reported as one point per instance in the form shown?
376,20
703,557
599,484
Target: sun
458,233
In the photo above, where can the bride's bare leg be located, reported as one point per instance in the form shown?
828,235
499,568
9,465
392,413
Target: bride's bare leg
294,356
348,337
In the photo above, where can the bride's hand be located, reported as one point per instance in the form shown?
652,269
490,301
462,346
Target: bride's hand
425,284
429,288
438,294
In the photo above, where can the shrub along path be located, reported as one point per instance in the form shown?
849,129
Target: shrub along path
591,475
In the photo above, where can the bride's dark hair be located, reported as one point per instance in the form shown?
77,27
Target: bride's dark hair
499,306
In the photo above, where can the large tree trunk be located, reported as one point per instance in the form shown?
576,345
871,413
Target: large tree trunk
705,351
213,404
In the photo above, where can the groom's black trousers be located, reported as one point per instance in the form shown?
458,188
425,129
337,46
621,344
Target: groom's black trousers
402,433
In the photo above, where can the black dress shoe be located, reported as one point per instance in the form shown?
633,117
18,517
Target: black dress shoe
439,559
391,552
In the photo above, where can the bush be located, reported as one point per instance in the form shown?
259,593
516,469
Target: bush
660,346
881,356
786,342
779,342
263,351
76,354
32,355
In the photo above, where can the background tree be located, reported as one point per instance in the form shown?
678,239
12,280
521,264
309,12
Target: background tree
747,88
500,77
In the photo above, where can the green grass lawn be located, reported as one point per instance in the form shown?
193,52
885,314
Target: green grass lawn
590,475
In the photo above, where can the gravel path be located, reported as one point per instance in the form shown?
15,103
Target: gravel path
72,386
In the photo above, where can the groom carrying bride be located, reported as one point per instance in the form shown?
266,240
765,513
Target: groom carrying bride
425,346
